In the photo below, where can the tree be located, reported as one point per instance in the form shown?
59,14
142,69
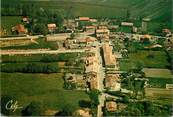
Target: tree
40,29
94,96
33,109
125,99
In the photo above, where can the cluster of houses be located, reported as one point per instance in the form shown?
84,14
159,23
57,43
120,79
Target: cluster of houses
88,80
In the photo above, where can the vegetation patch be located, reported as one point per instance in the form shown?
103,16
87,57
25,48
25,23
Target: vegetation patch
44,88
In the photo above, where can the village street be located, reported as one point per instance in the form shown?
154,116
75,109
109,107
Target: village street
100,79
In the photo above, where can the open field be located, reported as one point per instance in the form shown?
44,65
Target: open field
158,73
141,58
159,95
45,88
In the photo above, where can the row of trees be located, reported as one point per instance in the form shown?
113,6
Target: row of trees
31,68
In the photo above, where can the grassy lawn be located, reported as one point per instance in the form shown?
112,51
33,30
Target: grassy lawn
159,95
160,73
45,88
8,22
141,58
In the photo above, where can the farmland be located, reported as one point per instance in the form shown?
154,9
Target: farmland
159,95
141,58
44,88
41,43
160,73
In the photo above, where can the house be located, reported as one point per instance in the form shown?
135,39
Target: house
167,32
102,32
126,24
112,82
93,20
90,29
51,27
134,29
83,19
109,58
169,86
86,112
20,29
111,106
93,83
25,19
86,41
91,64
77,79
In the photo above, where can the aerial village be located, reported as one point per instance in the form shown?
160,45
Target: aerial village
101,53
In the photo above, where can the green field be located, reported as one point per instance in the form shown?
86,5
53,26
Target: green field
45,88
141,59
158,73
8,22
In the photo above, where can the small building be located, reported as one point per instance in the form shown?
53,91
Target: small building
25,19
112,82
86,41
102,33
90,29
93,83
126,24
77,79
169,86
109,58
145,22
83,19
93,20
19,29
51,27
134,29
111,106
82,113
167,32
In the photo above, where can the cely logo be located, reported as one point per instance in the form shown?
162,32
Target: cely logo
12,105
